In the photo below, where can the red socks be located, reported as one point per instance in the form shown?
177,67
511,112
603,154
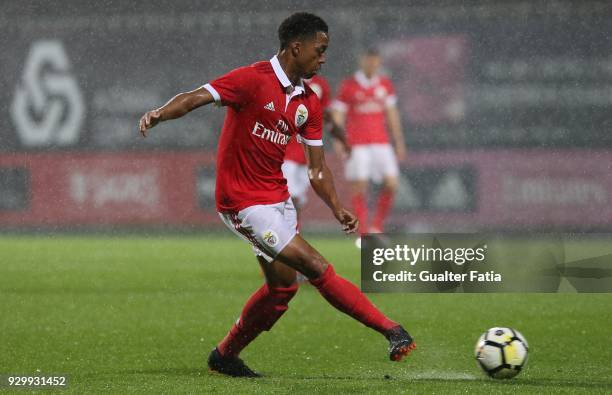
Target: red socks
360,205
268,304
347,298
260,313
384,205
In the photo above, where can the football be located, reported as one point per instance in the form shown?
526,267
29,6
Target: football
502,352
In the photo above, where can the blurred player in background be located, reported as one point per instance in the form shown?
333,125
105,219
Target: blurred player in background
366,106
267,105
295,167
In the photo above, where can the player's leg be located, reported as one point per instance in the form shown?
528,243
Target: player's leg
296,175
384,164
357,172
344,295
290,172
265,228
261,311
277,273
359,201
298,183
384,204
273,231
263,308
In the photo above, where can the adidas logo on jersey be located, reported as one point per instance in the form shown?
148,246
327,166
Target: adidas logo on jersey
269,106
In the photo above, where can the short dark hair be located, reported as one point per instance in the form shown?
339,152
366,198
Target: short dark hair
371,51
300,25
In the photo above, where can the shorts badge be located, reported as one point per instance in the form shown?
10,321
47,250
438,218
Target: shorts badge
270,238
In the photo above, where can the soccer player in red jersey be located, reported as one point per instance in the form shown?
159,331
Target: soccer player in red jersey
267,105
365,105
295,167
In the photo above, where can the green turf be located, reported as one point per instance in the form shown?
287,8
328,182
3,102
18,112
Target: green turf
138,315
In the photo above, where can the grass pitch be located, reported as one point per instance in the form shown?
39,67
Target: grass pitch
140,315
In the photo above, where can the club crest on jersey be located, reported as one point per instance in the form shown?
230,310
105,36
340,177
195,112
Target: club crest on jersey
270,238
301,115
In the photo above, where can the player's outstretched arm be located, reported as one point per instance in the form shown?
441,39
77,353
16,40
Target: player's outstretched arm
322,182
176,107
337,130
338,119
395,125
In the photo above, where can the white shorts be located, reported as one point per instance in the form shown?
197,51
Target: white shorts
297,180
371,162
267,227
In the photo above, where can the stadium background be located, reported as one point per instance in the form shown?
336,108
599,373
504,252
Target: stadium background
505,109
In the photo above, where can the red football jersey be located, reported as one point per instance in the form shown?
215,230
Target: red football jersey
295,151
264,112
364,101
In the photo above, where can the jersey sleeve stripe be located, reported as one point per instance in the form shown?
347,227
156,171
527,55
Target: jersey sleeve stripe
391,101
214,93
314,143
339,106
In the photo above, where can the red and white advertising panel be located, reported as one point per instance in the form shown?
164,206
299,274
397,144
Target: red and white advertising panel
456,190
109,189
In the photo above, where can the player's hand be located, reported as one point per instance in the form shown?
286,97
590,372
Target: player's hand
349,221
149,120
347,149
400,152
343,151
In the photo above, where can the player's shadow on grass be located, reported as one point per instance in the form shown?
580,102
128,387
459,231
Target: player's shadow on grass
377,378
559,383
204,371
544,382
168,371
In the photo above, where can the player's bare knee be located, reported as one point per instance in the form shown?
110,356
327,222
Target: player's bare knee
317,266
284,293
390,184
359,187
287,281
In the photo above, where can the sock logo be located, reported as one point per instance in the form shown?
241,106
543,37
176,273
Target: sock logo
270,238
